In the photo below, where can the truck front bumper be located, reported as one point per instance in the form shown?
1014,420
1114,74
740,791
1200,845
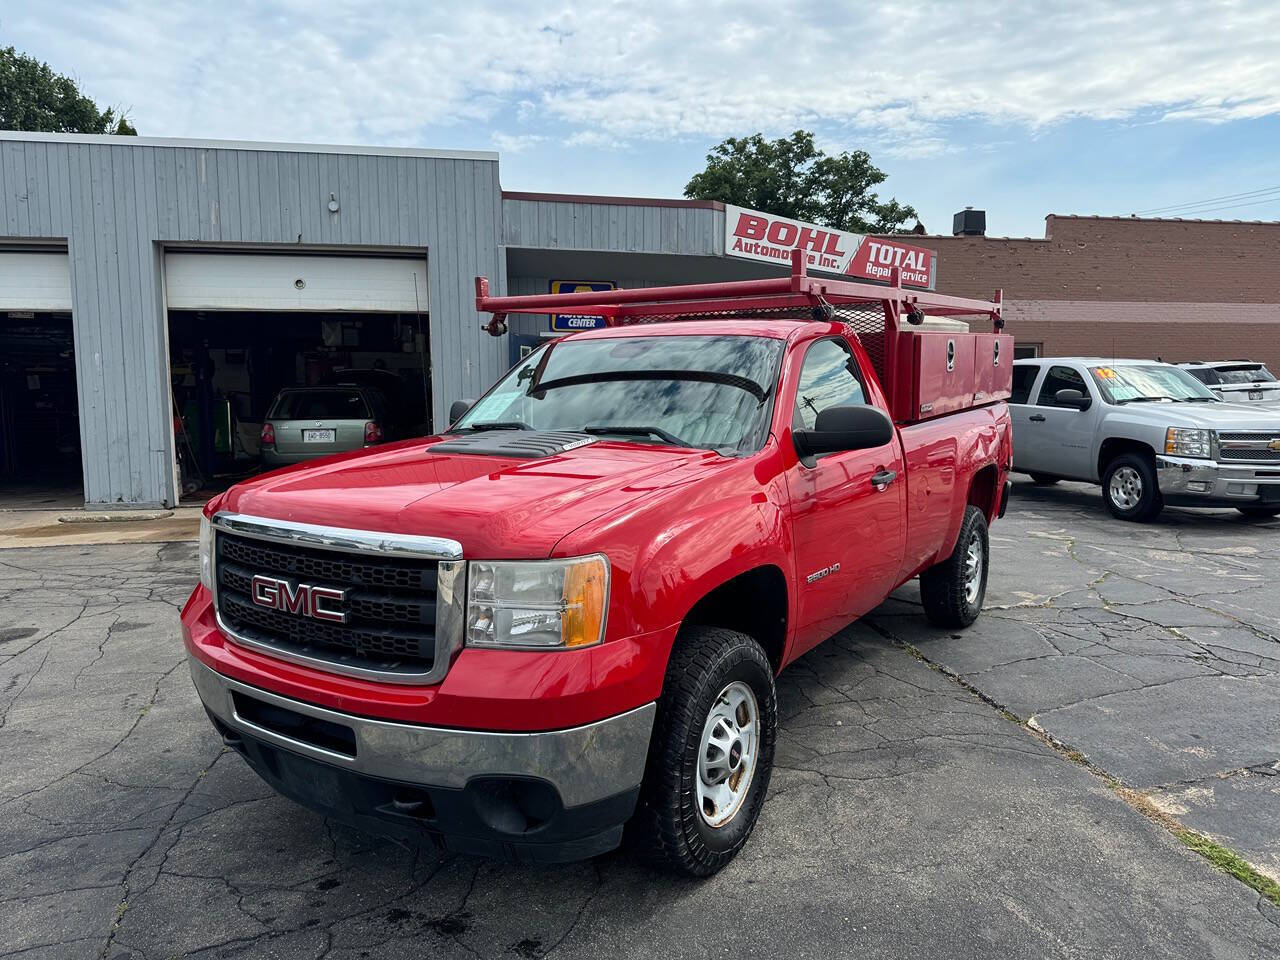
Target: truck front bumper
1193,482
545,797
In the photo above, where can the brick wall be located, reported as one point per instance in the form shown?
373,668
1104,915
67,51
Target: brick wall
1178,289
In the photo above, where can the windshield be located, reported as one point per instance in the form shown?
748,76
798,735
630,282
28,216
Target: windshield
1250,374
319,405
697,391
1129,384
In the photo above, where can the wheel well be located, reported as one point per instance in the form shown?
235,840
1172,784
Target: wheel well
754,603
982,490
1112,447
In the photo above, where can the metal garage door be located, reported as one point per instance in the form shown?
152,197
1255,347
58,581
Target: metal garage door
225,281
35,281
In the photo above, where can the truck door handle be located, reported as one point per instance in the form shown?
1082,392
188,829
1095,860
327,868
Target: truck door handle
882,478
1036,418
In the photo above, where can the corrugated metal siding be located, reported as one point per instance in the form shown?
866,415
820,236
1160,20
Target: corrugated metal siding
549,224
117,205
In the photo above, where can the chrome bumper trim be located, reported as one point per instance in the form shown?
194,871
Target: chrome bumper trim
323,537
1227,482
584,764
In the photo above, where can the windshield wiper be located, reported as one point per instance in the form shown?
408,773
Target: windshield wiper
696,376
497,425
1142,400
628,431
1199,400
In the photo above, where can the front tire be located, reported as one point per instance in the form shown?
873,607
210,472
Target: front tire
953,591
1130,490
711,754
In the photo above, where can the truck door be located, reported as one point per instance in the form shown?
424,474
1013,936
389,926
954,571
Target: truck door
1059,439
1024,378
847,509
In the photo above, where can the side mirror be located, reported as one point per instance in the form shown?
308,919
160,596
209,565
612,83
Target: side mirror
853,427
457,409
1072,398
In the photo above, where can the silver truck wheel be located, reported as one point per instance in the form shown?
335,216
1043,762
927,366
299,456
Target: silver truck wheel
727,761
1129,487
1126,488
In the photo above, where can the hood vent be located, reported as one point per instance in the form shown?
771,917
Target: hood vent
525,444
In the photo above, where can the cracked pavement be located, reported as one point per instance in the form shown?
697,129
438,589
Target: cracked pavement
907,817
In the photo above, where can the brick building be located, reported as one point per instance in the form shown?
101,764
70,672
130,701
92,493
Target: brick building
1128,287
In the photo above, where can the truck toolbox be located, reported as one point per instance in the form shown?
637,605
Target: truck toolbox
992,367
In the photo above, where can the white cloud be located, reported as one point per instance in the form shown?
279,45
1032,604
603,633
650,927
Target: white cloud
515,142
602,74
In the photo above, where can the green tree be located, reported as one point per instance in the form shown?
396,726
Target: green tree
791,177
33,97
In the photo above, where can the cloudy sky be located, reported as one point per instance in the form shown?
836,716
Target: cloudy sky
1021,108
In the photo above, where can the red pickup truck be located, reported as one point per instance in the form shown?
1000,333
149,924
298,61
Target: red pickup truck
563,616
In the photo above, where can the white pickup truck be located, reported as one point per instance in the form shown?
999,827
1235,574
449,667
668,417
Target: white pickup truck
1148,432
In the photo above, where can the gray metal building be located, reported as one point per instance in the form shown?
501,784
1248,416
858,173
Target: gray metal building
139,265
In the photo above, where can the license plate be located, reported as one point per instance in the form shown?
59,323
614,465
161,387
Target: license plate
318,436
1255,394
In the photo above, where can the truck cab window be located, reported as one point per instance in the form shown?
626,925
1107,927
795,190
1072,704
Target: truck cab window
828,378
1024,378
1059,378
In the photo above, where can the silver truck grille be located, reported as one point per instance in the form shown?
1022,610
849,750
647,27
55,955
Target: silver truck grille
1255,447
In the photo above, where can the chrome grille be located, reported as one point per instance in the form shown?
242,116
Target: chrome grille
1251,446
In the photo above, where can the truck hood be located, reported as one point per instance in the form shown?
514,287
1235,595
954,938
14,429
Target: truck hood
1212,416
495,506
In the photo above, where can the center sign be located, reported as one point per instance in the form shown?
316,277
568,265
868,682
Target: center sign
752,235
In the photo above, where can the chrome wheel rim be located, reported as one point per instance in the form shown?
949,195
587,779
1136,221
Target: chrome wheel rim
973,570
727,759
1126,488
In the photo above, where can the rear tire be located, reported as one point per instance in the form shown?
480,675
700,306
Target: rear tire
700,801
1129,488
1041,480
952,591
1260,513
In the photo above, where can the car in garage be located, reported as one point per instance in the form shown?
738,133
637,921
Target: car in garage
1237,381
303,423
1150,433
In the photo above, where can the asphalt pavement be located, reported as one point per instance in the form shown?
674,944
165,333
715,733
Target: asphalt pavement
937,795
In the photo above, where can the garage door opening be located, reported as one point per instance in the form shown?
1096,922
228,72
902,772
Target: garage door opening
277,359
39,417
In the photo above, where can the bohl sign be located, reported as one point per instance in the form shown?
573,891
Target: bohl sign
752,235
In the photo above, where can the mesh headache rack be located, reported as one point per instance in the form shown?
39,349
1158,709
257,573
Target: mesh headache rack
903,359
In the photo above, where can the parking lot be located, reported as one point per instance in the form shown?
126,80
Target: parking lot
936,795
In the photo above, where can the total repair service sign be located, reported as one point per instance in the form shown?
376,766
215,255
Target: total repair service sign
752,235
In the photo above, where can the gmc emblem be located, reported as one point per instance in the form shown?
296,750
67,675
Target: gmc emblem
319,603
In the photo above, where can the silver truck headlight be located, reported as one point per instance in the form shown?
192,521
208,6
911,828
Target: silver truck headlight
206,553
537,604
1188,442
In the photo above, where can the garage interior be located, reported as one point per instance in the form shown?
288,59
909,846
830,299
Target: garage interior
248,340
39,418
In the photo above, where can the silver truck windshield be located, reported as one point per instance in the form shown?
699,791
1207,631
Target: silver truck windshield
1157,382
691,391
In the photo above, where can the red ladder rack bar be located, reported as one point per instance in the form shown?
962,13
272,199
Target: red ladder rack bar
797,290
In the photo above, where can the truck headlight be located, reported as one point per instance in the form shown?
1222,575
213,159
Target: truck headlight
206,553
1187,442
537,604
